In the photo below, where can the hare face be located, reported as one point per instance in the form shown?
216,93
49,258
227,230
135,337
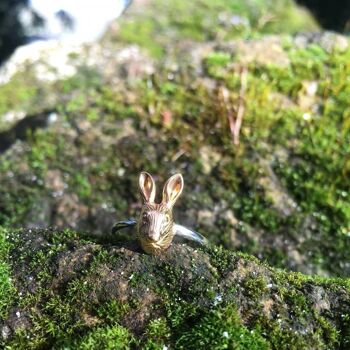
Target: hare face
155,227
156,221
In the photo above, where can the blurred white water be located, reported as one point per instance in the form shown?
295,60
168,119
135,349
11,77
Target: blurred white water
66,26
80,20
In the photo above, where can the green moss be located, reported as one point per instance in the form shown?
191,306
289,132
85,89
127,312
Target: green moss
215,62
16,94
221,329
255,287
158,333
345,331
113,310
74,303
207,20
133,32
7,289
108,338
82,185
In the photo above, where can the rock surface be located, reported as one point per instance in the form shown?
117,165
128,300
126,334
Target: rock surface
66,287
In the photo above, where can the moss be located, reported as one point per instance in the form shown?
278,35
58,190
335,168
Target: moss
221,329
7,290
83,295
112,337
158,334
206,20
345,332
255,287
215,62
16,94
130,33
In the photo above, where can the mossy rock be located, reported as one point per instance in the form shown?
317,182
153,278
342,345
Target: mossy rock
281,194
66,292
205,20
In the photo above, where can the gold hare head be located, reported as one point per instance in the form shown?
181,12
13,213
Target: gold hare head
155,226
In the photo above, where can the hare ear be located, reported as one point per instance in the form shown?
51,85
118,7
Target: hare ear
147,187
172,189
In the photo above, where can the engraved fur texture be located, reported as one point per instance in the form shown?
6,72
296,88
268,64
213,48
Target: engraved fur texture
156,224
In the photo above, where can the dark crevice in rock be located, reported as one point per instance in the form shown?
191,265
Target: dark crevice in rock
23,128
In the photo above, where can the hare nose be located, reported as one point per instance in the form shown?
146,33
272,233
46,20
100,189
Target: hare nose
153,235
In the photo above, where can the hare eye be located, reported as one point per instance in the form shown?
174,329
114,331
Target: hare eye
144,218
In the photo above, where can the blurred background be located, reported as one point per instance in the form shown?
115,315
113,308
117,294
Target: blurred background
247,99
24,21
